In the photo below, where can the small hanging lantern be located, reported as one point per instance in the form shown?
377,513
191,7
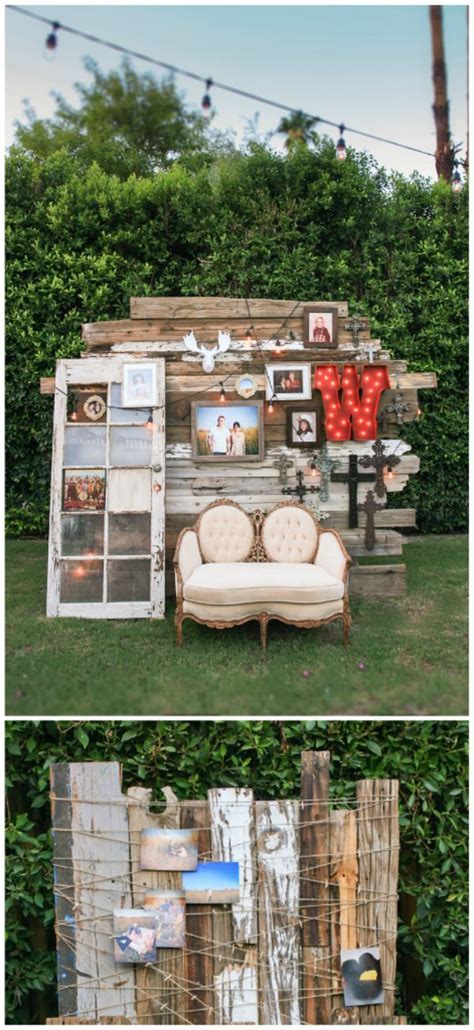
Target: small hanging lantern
206,102
51,40
341,145
456,181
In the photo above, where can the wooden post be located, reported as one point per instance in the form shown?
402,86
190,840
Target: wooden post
314,886
444,154
91,870
344,875
198,956
159,986
378,837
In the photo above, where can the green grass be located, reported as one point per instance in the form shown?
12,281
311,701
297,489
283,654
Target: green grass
414,650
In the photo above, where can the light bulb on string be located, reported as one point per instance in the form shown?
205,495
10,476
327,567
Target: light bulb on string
341,145
277,347
273,400
313,468
456,181
51,42
222,394
206,102
149,424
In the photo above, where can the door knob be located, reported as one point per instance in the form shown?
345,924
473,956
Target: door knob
157,468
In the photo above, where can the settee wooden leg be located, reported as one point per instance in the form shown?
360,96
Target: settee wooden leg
346,622
179,633
263,631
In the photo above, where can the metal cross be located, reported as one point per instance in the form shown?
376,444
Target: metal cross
355,326
353,477
397,407
369,349
323,462
300,489
370,506
379,461
283,463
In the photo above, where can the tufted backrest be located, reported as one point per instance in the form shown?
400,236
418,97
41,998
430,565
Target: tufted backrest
225,534
289,534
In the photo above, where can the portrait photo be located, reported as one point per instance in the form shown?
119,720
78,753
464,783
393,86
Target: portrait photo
168,849
286,382
320,325
303,427
139,385
84,490
134,935
362,976
169,911
214,883
227,432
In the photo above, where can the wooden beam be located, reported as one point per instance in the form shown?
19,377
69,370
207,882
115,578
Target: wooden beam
198,957
219,307
315,874
378,581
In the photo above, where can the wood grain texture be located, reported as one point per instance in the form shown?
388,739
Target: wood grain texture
218,307
278,891
344,878
315,889
378,580
199,947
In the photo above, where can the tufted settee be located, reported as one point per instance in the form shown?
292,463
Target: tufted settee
232,567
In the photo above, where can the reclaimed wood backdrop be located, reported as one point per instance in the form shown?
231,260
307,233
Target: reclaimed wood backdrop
316,876
156,328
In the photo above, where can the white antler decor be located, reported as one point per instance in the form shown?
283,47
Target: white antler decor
208,354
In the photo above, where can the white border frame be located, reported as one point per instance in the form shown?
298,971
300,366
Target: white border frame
305,395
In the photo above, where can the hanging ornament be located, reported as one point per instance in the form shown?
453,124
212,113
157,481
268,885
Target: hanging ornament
206,102
341,145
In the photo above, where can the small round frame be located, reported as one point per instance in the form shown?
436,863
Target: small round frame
246,386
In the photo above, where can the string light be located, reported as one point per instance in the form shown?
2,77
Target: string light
51,41
313,468
341,145
149,424
273,400
277,347
456,181
222,395
206,102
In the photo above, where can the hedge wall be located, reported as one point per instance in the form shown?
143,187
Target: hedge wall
429,758
256,224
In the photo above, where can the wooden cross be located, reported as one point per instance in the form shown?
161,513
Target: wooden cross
325,465
283,464
355,326
353,477
300,489
379,461
370,506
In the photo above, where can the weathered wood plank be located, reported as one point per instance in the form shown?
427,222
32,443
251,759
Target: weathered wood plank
314,876
279,952
219,307
379,841
378,581
233,840
96,822
199,948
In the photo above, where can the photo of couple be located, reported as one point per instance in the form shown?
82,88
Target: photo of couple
233,433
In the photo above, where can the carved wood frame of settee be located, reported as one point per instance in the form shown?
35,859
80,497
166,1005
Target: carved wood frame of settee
257,553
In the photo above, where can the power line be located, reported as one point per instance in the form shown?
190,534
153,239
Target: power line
206,80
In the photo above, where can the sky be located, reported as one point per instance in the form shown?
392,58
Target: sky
368,66
212,875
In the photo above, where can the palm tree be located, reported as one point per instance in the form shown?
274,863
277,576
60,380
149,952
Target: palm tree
298,128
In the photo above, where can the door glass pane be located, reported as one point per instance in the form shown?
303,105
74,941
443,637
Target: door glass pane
128,580
87,404
82,534
84,445
84,491
129,490
81,581
130,446
119,414
129,534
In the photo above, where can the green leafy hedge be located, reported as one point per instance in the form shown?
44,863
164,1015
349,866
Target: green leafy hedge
429,758
257,224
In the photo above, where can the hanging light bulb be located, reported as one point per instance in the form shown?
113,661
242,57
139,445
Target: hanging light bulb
313,468
456,181
51,41
341,145
273,399
206,102
149,424
277,347
222,393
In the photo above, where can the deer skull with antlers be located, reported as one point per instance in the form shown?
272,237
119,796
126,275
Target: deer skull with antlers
208,353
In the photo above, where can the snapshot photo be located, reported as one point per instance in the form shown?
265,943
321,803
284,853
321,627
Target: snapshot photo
362,976
168,849
169,911
303,429
288,381
84,491
216,882
139,385
227,432
134,935
320,326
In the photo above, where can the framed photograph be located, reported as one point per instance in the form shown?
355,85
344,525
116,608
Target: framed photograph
139,385
246,387
288,382
134,935
214,883
320,325
168,849
84,490
362,976
227,432
169,910
303,427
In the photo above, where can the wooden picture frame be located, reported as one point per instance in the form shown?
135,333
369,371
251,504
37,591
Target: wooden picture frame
328,314
214,441
308,439
284,371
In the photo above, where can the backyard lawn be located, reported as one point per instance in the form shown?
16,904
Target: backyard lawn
406,657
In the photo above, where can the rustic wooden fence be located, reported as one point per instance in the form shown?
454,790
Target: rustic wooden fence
316,876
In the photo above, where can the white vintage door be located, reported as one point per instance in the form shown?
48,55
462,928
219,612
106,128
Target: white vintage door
107,522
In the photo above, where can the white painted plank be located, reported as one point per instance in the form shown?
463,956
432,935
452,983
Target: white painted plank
158,498
233,840
54,568
236,995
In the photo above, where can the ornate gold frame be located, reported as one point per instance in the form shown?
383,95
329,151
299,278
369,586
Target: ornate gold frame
257,553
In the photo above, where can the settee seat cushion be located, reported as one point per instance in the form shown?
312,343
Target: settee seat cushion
237,583
222,613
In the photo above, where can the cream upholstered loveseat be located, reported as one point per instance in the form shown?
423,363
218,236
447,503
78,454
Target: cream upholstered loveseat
232,567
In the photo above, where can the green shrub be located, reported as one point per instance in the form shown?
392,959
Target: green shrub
429,758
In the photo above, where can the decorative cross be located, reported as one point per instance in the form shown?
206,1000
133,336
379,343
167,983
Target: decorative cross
355,326
353,477
397,407
283,463
323,462
370,506
369,350
379,461
300,489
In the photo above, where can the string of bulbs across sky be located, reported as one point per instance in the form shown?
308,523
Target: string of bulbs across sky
51,44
